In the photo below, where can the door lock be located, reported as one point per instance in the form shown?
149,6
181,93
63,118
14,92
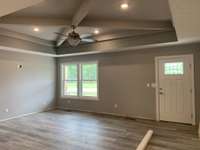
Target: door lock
161,91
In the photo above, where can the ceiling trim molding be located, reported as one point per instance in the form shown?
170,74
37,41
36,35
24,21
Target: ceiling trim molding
131,48
20,50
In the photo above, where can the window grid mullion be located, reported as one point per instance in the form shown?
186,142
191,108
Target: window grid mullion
77,79
80,80
63,77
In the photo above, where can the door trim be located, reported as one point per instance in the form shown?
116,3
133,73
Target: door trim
157,83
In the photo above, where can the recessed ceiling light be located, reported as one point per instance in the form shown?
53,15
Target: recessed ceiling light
124,6
36,29
96,31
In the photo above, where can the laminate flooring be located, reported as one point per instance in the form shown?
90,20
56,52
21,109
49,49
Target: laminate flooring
63,130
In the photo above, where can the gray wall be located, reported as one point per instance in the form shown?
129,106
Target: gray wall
27,90
123,78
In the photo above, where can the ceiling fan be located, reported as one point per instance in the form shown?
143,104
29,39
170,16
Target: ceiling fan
74,38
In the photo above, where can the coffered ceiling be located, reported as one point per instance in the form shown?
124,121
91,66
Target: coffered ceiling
45,21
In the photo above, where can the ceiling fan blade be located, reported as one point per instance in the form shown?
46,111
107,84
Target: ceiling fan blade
60,34
85,35
88,40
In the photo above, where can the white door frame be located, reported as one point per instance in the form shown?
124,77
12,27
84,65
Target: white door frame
157,83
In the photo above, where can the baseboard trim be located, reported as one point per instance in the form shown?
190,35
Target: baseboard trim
105,113
24,115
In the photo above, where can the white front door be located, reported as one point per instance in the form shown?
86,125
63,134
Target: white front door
175,85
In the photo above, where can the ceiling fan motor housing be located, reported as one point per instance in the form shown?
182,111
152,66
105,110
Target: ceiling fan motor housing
74,39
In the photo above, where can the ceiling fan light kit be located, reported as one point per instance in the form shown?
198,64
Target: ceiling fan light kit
73,38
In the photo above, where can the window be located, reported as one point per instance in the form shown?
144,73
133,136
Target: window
89,80
80,80
174,68
71,80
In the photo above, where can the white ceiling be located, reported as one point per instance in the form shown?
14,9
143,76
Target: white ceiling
10,6
102,9
51,8
186,18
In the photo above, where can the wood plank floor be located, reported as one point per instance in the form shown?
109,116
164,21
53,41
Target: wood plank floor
60,130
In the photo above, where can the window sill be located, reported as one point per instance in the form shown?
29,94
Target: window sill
80,98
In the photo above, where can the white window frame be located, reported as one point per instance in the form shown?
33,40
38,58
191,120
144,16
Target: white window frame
79,77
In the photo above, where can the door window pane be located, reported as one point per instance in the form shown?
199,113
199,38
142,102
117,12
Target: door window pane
174,68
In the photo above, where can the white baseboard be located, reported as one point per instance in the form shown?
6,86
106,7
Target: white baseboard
19,116
24,115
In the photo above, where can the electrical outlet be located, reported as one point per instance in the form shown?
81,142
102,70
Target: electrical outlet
6,110
115,106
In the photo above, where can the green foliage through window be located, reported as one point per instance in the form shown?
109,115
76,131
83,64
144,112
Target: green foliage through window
71,72
89,71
